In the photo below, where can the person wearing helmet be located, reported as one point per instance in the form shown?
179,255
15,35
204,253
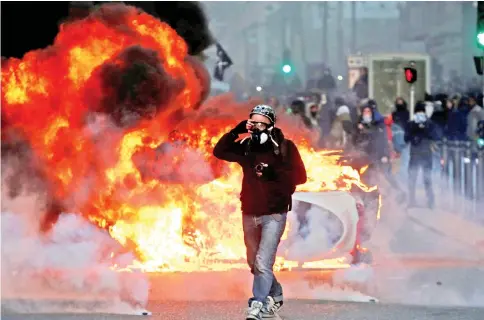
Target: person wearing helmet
272,168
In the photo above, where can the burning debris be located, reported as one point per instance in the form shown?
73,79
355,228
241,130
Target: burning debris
97,110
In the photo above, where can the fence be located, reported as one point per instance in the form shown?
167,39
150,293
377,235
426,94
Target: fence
462,176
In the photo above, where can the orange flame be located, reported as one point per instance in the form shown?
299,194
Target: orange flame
179,225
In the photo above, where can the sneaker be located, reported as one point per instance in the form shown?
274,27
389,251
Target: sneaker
271,308
254,311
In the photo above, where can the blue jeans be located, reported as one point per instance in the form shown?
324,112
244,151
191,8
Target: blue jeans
262,236
404,159
416,163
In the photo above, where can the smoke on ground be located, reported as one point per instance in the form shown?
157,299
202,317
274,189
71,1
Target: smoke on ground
71,263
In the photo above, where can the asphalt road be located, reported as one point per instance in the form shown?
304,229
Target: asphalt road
418,273
294,310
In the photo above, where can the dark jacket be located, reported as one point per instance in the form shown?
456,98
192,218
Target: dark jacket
372,140
456,124
271,193
401,115
361,87
439,118
420,136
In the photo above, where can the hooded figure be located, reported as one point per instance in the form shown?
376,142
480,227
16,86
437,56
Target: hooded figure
400,115
456,122
370,103
272,169
476,114
361,85
400,118
342,125
312,113
420,133
298,108
439,116
371,138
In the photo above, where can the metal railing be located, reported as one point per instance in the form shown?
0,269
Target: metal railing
462,176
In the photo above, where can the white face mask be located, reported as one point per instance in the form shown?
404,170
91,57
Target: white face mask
420,117
367,119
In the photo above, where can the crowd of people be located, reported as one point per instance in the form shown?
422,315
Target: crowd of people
395,140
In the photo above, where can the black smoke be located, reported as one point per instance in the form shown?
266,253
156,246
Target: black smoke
32,25
132,86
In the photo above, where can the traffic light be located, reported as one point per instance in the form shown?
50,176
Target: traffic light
410,75
480,25
286,68
286,62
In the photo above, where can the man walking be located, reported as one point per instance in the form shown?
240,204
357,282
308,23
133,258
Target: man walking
272,169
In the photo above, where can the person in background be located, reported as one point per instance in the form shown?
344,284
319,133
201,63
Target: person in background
420,134
439,117
298,109
374,107
327,81
456,120
400,118
313,115
371,138
388,121
326,116
342,126
429,105
400,114
475,115
361,85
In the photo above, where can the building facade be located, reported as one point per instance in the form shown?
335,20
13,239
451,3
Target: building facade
446,31
324,33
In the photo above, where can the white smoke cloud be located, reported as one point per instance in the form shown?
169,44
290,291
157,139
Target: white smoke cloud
318,235
70,264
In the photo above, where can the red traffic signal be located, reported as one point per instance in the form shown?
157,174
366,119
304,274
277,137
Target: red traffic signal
410,75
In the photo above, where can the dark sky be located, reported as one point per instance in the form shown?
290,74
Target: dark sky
29,25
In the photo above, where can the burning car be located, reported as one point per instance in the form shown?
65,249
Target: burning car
327,229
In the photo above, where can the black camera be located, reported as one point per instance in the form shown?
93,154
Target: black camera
259,168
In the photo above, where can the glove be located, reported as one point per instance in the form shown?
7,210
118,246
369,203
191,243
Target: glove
240,128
